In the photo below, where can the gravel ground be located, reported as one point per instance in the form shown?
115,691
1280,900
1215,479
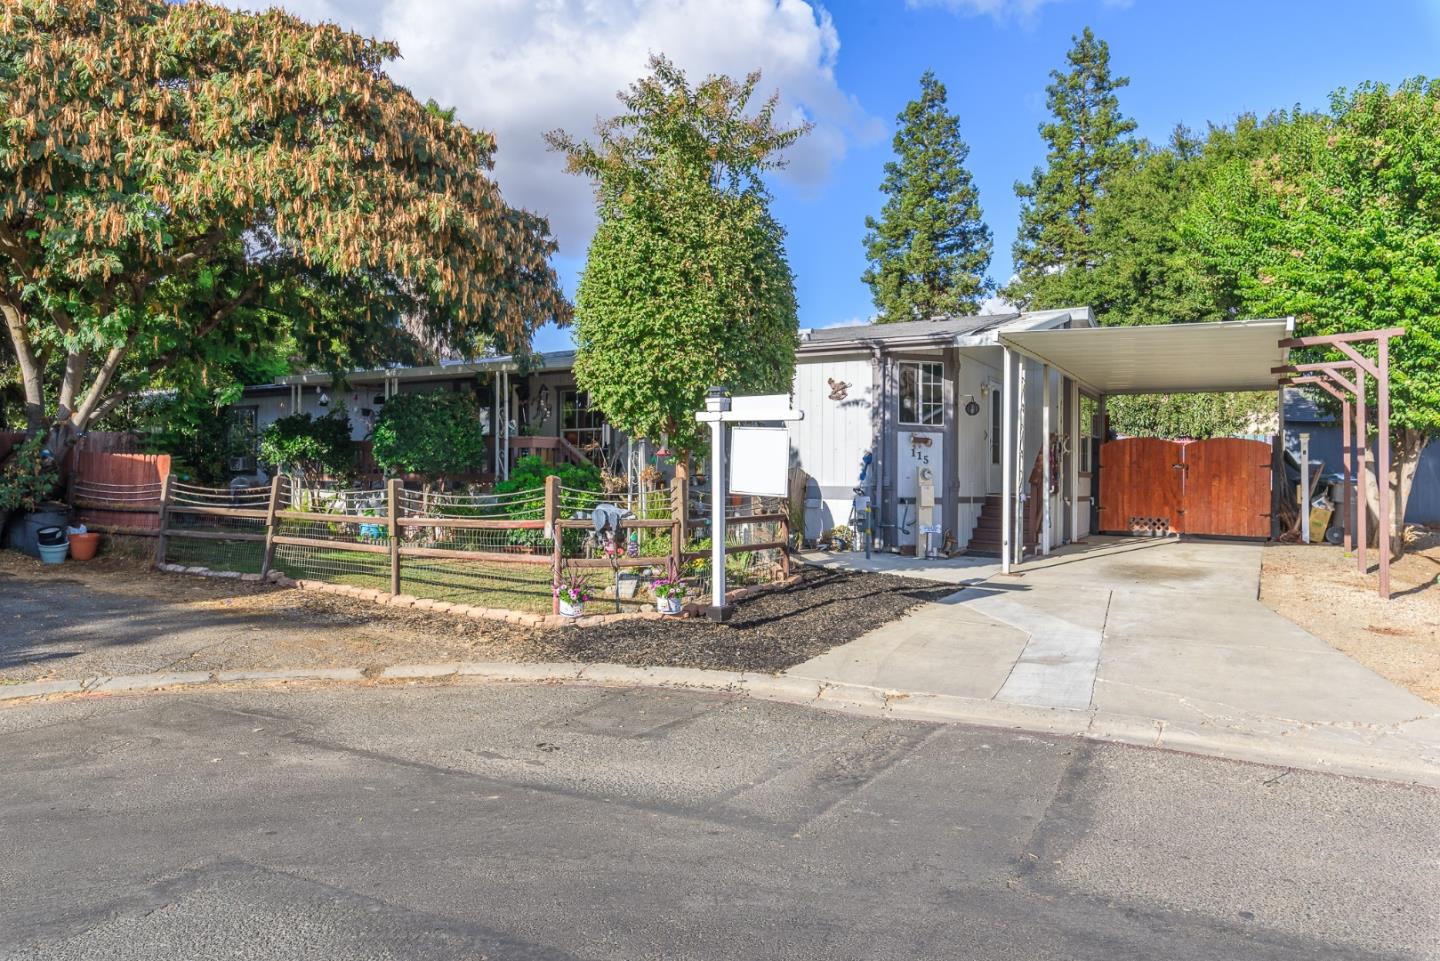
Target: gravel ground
1317,587
113,615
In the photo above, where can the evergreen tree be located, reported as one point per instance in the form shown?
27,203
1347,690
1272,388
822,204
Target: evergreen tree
930,249
1089,140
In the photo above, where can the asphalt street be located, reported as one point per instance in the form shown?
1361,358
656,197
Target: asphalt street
547,822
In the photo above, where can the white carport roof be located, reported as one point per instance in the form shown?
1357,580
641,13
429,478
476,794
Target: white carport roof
1163,358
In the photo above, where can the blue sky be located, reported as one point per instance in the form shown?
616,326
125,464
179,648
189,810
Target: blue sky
1189,62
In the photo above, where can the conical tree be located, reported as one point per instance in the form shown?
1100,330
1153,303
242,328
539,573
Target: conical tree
930,249
1089,140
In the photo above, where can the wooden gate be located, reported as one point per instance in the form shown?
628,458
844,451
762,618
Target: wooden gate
1227,487
1219,486
1140,486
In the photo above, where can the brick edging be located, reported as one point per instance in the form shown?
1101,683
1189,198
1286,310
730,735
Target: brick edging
521,618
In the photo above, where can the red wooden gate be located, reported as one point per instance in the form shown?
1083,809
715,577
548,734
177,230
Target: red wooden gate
1218,486
1140,486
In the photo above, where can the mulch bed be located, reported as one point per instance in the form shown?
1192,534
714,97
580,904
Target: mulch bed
769,632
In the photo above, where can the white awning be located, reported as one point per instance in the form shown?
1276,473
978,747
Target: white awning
1163,358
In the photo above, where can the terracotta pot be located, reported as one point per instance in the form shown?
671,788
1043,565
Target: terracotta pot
84,546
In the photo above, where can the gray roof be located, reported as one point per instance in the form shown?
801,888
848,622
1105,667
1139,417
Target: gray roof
939,328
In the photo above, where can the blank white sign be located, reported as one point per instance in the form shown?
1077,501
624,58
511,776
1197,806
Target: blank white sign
760,461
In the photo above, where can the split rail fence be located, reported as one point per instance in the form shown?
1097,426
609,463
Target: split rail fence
492,550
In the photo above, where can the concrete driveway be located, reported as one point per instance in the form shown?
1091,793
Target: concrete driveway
1165,633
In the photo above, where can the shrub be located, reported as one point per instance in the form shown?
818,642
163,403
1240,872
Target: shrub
29,476
435,435
310,446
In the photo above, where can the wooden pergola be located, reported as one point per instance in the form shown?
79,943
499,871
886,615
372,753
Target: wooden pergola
1345,381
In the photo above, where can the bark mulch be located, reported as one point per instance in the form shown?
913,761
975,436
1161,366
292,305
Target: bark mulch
769,632
116,615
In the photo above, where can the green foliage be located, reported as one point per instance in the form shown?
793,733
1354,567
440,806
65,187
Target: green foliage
1088,140
1340,228
929,250
29,476
530,472
181,183
434,435
1191,415
1142,269
310,446
686,284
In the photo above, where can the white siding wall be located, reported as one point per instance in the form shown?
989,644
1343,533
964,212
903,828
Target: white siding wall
830,442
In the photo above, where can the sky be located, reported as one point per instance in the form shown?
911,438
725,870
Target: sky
521,67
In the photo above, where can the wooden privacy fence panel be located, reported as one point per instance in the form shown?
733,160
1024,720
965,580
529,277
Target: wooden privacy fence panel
118,493
492,550
1219,486
1140,486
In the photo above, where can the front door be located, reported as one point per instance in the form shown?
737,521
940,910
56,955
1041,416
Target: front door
993,439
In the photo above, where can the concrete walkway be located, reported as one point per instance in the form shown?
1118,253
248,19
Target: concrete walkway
1164,634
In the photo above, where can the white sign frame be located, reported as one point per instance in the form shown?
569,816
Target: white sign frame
760,461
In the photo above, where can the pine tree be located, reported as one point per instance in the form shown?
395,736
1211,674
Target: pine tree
930,249
1089,140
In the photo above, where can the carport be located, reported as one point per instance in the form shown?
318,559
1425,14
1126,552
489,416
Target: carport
1242,355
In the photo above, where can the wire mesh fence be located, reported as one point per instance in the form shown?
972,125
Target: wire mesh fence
499,550
220,528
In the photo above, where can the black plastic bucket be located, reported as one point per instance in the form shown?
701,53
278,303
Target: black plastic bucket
50,536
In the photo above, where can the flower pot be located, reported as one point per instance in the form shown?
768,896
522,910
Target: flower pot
84,546
53,553
567,609
669,605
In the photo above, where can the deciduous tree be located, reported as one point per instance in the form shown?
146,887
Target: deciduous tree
1340,228
686,284
179,182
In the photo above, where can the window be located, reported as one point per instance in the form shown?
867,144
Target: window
1088,410
581,424
922,393
997,412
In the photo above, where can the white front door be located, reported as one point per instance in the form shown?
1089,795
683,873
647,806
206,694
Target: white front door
993,438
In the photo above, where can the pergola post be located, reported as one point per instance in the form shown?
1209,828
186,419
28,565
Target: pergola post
1007,460
1382,429
1045,460
1380,370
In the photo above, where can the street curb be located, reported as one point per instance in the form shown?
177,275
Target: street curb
1367,760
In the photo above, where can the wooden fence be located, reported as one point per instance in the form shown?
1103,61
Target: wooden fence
513,547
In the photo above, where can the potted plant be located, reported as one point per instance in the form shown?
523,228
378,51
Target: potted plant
669,591
572,591
29,477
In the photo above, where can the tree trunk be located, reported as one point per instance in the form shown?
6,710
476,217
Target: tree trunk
1408,446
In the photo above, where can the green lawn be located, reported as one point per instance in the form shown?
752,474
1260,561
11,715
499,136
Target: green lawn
516,587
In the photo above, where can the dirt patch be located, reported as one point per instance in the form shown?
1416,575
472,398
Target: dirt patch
1318,588
117,616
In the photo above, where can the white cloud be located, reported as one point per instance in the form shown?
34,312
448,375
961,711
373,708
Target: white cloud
522,67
